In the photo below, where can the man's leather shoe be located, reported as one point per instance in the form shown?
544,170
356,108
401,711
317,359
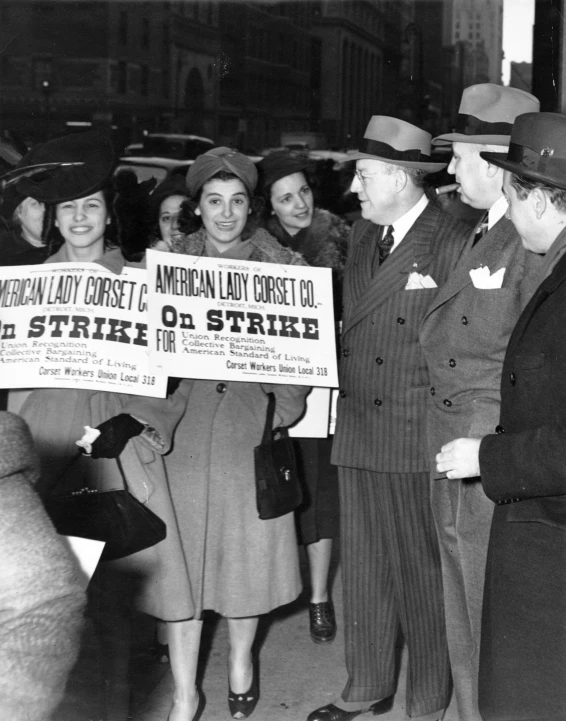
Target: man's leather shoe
322,622
330,712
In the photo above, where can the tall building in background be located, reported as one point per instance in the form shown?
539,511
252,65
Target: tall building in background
244,73
476,29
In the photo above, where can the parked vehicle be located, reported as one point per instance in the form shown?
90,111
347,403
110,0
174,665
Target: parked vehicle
177,146
158,168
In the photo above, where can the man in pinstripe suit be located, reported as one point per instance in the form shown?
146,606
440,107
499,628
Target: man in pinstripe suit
401,252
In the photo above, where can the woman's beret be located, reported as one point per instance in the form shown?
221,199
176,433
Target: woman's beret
280,164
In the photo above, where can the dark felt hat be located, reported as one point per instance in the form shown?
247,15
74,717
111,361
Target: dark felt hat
487,113
282,163
395,141
95,152
537,149
175,185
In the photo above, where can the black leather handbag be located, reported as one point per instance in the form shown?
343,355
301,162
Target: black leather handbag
278,489
125,524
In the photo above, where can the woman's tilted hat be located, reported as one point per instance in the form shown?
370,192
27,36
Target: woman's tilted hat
397,142
537,149
93,154
282,163
487,113
216,160
175,185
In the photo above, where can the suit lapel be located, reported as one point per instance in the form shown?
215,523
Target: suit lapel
487,252
414,253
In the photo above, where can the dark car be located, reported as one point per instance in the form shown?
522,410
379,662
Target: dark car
158,168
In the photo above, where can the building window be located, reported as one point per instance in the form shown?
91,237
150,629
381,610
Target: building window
145,34
144,82
123,27
122,78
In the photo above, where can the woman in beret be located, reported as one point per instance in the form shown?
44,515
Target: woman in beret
239,566
82,224
322,238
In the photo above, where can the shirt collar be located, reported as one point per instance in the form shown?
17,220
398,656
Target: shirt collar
403,224
496,212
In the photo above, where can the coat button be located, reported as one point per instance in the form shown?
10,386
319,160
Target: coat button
400,321
512,378
345,352
377,402
432,391
451,362
342,394
447,402
499,430
221,388
379,361
464,320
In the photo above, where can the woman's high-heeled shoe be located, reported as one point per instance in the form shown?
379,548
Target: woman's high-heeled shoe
200,707
242,705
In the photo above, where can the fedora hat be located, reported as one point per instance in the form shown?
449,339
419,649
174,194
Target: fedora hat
397,142
91,161
487,113
537,149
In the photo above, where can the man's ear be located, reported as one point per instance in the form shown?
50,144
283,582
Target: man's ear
401,179
539,202
492,171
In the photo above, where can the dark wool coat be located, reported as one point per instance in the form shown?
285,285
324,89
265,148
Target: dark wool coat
41,598
238,565
57,418
523,470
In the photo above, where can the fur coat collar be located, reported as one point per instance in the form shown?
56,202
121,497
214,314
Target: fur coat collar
263,248
324,244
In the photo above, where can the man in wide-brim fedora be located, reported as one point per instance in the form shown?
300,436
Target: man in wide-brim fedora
523,639
464,335
401,251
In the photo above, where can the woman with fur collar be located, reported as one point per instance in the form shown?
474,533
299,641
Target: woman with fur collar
322,238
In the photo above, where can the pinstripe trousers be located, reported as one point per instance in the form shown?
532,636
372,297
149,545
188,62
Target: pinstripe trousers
391,577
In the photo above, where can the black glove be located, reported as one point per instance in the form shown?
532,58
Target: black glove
114,434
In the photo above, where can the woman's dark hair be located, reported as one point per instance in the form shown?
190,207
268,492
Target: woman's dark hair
53,239
126,204
265,191
189,222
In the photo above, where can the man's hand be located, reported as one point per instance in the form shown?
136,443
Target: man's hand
114,434
459,458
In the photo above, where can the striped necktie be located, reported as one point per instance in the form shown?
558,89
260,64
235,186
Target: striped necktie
383,248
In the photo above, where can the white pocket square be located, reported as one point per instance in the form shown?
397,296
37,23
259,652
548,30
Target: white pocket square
416,281
481,277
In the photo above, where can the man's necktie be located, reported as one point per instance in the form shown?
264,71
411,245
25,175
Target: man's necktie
385,244
481,229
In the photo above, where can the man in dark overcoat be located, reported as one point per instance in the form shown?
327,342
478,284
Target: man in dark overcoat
464,336
523,638
400,253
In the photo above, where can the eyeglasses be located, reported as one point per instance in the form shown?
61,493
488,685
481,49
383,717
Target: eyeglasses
362,178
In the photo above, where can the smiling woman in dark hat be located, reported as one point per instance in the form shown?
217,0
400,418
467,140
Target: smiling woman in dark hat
322,238
81,226
238,565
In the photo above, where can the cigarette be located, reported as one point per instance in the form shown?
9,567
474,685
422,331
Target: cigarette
447,188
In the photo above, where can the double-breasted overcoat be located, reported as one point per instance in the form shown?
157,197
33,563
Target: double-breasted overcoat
464,335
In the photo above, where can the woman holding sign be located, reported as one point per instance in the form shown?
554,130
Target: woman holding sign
82,225
322,238
239,566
